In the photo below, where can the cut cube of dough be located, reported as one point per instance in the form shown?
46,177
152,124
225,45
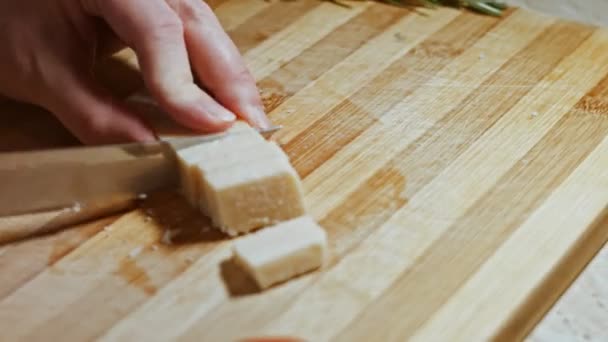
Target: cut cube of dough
240,135
260,192
278,253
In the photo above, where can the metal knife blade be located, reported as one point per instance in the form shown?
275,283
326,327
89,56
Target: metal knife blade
53,179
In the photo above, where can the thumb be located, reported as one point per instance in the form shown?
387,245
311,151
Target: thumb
93,115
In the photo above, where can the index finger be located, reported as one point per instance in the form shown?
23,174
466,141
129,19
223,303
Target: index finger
156,34
218,63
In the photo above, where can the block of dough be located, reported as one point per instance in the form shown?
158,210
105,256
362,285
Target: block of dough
276,254
261,192
240,134
235,157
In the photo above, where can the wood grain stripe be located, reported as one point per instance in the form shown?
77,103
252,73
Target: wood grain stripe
179,300
569,210
329,51
288,43
418,224
424,107
341,81
330,133
232,14
214,3
70,278
269,21
545,166
28,258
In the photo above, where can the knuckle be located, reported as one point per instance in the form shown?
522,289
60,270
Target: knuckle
168,26
243,75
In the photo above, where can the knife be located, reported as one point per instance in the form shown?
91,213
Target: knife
53,179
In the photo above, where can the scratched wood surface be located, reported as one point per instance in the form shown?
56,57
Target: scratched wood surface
458,163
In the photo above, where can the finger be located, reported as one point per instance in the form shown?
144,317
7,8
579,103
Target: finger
155,32
93,116
218,62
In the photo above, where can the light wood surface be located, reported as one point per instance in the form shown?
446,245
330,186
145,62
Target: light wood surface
458,163
581,313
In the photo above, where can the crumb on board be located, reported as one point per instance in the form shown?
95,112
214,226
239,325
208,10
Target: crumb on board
534,114
135,252
482,56
76,207
399,36
154,247
142,196
168,235
107,228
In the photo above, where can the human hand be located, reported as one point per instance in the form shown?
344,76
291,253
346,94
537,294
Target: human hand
50,47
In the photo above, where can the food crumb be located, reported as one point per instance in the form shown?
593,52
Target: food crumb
168,235
154,247
107,229
142,196
534,114
482,56
135,252
399,36
76,207
230,232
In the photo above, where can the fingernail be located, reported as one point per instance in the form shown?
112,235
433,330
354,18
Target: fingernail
224,115
260,118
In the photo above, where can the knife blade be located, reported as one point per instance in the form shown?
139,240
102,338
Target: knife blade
52,179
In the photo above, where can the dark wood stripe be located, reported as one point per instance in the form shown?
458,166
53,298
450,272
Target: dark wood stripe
326,137
418,66
133,283
26,259
329,51
269,21
365,210
542,169
214,3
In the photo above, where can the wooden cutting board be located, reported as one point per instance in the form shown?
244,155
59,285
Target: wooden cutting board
458,162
